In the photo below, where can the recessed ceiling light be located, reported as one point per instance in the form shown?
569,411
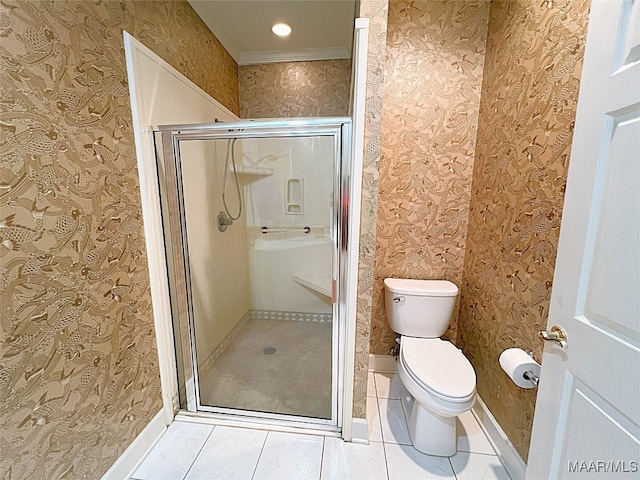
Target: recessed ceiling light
281,29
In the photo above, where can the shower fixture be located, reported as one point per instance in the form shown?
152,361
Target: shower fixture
224,221
226,218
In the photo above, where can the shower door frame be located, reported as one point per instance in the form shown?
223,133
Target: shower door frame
339,128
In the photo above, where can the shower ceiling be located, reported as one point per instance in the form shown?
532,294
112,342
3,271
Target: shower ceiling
322,29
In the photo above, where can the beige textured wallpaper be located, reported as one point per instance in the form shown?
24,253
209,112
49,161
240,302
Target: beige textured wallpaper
434,63
295,89
531,80
78,370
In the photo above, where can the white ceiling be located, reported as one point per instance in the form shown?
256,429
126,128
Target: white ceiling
321,29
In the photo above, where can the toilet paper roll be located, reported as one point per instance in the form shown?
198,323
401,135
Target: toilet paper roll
515,362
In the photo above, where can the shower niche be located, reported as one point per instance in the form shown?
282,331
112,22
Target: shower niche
257,305
294,196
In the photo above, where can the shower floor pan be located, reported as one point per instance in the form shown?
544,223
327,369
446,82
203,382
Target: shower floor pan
274,366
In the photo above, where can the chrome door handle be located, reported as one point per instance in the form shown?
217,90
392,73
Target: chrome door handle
556,334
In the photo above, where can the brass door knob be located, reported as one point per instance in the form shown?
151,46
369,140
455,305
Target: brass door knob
556,334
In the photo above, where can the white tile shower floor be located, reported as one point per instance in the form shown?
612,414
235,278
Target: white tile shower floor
205,452
278,366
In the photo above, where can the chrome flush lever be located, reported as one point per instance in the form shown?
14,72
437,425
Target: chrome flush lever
398,299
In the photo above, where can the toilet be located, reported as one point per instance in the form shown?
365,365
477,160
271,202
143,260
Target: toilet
435,372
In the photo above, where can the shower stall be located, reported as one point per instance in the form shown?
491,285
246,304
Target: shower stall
255,218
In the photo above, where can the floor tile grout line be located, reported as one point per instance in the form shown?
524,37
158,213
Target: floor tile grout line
479,453
384,444
386,462
452,469
324,440
388,397
375,385
255,469
199,452
380,417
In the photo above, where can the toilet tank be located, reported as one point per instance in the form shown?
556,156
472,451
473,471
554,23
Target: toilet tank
419,308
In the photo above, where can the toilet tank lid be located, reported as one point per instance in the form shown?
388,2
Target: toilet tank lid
433,288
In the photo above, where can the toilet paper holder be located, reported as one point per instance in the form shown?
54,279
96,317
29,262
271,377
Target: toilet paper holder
532,377
529,375
521,367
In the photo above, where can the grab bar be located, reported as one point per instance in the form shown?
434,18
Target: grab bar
282,230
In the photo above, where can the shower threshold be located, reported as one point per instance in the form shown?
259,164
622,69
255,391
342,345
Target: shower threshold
285,424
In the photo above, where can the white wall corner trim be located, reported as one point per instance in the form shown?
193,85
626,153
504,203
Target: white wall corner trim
360,430
359,87
132,457
501,444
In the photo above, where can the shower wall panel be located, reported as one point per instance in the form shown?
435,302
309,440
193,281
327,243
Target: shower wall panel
307,158
279,269
288,252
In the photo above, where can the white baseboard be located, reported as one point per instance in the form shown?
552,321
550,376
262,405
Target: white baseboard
132,457
360,430
382,363
499,440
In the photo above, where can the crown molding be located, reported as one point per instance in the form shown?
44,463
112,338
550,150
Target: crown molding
310,54
203,10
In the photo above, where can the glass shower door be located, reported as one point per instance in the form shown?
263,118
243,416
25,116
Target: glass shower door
252,223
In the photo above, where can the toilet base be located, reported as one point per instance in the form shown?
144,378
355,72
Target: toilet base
431,433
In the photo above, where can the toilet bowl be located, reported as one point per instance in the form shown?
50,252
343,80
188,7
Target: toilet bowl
434,372
443,384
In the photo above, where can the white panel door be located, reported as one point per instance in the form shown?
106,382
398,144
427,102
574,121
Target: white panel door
587,419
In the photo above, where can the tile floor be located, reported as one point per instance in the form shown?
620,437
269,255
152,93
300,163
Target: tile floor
202,452
279,366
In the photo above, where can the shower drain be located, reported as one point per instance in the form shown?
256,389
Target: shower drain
269,350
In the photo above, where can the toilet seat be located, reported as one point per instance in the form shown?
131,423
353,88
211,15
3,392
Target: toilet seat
439,367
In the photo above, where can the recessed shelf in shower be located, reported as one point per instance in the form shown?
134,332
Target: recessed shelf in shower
294,203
